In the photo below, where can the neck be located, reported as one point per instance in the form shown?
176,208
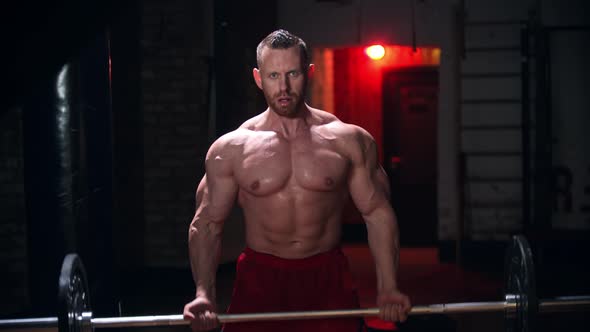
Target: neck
289,126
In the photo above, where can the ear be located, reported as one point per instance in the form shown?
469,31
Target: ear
257,79
310,70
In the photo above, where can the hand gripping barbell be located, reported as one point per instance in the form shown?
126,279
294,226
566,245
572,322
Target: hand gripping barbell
520,304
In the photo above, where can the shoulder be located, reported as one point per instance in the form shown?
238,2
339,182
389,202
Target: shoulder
223,152
225,146
321,117
349,133
354,141
330,123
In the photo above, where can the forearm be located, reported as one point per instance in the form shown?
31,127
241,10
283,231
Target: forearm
204,251
383,239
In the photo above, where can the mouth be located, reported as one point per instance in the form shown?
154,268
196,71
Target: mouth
284,101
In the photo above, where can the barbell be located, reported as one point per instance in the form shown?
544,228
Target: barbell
520,304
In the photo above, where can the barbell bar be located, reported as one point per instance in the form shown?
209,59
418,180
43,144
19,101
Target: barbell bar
509,306
520,304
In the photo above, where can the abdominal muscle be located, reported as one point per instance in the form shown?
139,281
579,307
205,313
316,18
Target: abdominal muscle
292,224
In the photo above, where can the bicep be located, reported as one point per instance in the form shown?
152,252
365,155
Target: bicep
200,193
217,190
368,184
215,196
382,180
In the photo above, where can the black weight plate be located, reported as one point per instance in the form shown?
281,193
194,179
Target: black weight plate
520,281
73,295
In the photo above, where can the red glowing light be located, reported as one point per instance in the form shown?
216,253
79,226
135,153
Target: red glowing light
375,52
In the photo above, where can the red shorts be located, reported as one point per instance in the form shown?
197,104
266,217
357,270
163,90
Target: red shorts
266,283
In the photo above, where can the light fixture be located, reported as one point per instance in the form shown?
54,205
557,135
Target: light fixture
375,52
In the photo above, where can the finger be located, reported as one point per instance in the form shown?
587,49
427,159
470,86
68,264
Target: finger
382,312
407,307
202,322
395,311
211,323
389,312
215,319
401,313
187,315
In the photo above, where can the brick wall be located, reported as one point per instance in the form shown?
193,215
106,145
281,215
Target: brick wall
13,238
174,98
175,44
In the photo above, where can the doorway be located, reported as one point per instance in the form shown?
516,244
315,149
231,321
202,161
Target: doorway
354,87
410,102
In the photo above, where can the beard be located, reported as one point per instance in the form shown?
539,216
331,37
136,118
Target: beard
287,105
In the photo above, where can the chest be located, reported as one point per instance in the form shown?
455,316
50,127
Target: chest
270,164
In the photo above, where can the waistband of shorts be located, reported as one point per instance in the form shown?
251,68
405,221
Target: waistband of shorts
327,257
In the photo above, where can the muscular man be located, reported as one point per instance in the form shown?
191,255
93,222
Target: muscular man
292,169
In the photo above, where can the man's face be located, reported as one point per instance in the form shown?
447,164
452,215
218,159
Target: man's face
282,79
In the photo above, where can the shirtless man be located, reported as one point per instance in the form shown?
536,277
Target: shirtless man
292,170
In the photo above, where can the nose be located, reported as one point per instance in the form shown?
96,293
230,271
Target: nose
284,83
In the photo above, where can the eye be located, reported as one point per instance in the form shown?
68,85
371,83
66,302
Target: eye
273,75
294,73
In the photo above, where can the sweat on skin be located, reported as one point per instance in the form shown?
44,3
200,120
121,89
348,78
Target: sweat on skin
291,169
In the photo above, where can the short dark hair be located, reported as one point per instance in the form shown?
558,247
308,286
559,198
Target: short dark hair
283,39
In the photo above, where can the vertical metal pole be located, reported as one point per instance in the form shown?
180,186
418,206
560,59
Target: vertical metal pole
413,6
525,124
459,42
541,221
212,125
